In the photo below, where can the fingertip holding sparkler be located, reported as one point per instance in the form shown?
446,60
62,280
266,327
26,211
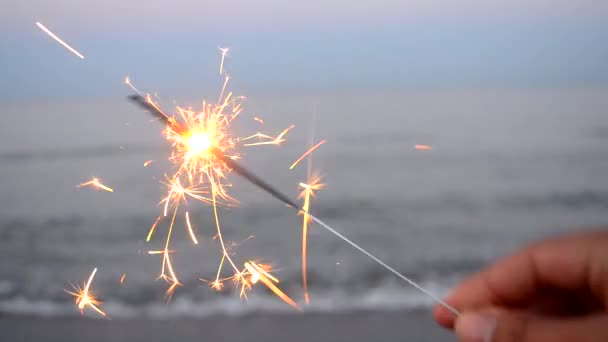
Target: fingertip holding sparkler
95,183
59,40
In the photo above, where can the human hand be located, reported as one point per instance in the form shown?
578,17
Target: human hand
555,290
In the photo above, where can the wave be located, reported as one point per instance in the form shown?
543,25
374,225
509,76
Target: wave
581,199
388,297
24,156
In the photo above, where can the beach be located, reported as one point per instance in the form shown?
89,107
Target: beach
487,186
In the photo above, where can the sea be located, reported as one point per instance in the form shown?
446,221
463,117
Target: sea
507,166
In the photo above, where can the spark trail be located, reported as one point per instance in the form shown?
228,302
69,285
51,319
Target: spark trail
307,153
96,183
230,163
59,40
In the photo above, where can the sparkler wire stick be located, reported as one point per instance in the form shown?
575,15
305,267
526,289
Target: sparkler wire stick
232,164
283,198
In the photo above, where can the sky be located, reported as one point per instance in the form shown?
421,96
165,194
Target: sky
307,46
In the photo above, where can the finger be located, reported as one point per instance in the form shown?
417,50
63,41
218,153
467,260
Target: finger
573,262
511,326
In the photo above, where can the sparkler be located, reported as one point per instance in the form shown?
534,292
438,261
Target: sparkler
59,40
202,149
84,298
229,163
205,154
95,183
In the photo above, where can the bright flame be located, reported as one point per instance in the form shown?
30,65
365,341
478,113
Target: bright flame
198,143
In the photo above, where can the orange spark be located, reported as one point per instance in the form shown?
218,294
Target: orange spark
268,139
192,236
307,192
59,40
310,150
84,298
148,162
258,120
96,183
258,273
122,279
421,147
152,229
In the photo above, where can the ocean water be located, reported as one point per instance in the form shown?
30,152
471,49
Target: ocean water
507,166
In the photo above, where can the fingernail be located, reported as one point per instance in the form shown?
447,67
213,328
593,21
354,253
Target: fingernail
475,327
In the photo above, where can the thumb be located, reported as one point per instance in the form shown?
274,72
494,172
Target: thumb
511,326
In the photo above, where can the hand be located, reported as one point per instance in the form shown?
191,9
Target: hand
555,290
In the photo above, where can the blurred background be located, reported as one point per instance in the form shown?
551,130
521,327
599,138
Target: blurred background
511,95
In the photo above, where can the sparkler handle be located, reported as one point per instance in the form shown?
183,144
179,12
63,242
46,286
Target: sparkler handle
383,264
256,180
142,102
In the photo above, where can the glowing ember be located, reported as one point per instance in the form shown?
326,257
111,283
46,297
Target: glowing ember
423,147
84,297
258,273
59,40
96,183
